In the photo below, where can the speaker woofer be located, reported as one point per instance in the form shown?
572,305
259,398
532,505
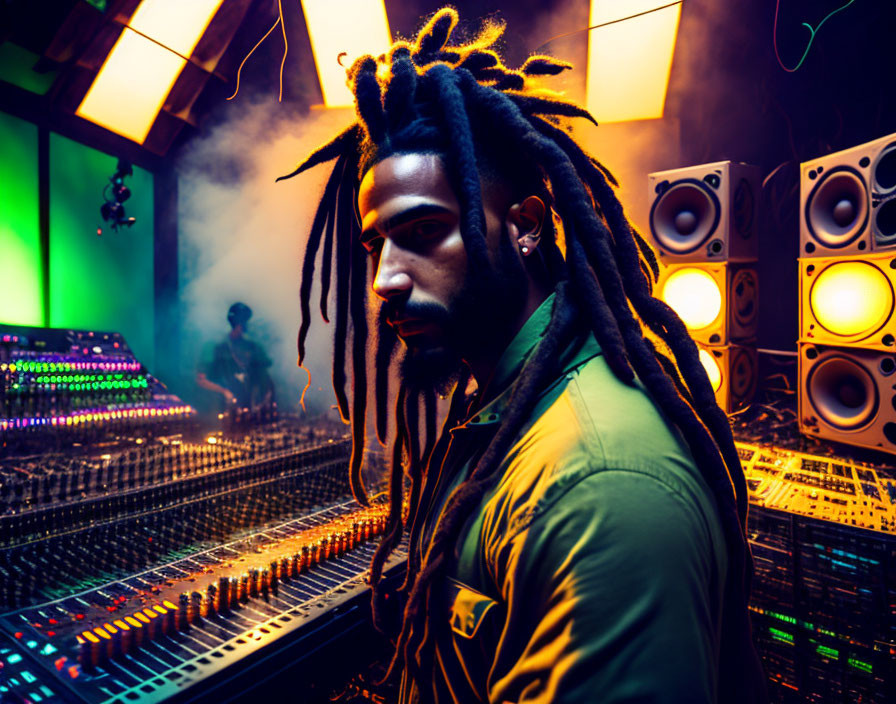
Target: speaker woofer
837,208
685,216
843,393
883,173
741,377
713,370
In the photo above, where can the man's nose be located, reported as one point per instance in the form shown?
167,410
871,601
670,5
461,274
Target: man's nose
392,278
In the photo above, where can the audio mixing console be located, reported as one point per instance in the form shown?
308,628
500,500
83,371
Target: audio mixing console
179,626
822,532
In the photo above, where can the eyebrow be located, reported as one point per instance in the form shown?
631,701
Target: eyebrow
405,216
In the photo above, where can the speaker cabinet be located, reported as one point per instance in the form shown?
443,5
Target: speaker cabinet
849,301
848,200
847,395
719,303
732,372
706,213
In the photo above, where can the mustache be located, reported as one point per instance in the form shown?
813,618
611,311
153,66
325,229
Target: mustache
392,311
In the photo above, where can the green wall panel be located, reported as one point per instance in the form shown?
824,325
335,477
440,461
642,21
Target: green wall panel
21,275
100,282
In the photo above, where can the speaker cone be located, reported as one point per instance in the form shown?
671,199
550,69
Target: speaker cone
742,377
883,172
843,393
837,208
684,216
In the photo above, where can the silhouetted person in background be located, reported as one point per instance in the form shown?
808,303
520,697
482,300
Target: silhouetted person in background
237,367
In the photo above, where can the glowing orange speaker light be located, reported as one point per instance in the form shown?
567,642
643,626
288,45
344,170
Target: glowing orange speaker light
849,300
694,295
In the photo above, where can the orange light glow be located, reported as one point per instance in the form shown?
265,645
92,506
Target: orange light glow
712,369
175,23
694,295
131,86
849,298
342,33
629,62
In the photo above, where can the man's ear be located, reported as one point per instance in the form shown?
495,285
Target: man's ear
526,221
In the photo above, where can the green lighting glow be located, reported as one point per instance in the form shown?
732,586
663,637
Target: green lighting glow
860,665
20,264
827,652
99,282
782,636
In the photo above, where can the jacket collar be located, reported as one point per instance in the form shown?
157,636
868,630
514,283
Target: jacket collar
511,363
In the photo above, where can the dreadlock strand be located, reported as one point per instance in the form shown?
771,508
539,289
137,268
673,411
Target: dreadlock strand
541,65
358,310
534,105
399,99
325,212
369,99
394,525
344,232
326,266
462,166
435,33
346,141
385,348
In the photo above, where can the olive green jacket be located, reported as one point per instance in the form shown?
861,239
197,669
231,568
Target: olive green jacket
594,569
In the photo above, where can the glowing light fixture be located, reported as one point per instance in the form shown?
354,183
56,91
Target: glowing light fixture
629,61
849,298
138,74
340,33
694,295
712,369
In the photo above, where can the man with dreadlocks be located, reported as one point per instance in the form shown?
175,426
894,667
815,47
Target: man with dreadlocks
576,530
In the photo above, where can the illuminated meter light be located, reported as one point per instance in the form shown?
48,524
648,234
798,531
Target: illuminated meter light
712,369
851,298
139,72
694,295
630,58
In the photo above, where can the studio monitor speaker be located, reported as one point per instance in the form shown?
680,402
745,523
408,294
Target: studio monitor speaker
848,200
706,213
847,395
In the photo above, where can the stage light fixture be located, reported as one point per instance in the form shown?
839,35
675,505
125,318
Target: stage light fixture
340,34
139,72
112,210
695,295
630,58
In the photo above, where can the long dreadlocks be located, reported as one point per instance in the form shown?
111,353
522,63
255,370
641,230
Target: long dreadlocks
430,96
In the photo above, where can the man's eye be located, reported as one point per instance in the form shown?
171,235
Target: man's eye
425,229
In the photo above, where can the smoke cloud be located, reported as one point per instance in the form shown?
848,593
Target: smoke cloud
242,238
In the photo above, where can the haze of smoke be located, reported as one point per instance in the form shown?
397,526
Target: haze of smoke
242,238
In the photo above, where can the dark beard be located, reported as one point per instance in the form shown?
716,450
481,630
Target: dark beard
481,312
